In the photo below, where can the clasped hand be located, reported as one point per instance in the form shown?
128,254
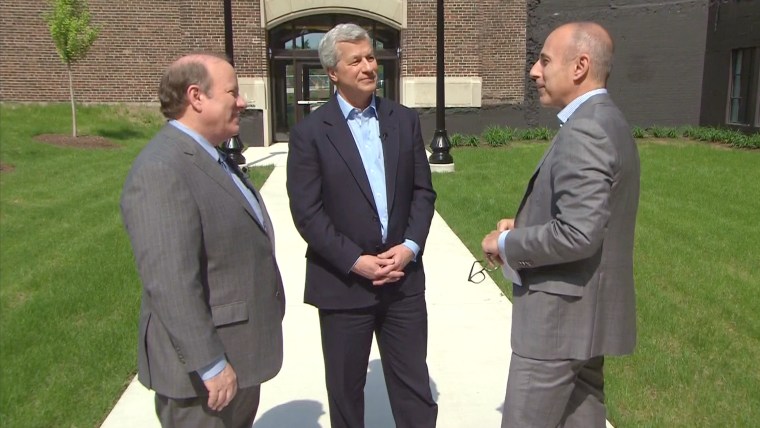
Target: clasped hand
384,268
490,244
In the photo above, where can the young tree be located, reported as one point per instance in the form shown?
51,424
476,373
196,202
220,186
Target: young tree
69,23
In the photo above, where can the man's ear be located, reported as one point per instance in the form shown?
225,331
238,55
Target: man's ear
194,97
332,75
582,64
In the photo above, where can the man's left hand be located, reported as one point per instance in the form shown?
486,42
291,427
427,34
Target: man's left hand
400,254
490,247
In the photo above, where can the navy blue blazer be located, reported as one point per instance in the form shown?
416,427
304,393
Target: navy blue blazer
334,211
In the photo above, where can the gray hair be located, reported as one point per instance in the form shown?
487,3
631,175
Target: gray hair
591,38
328,51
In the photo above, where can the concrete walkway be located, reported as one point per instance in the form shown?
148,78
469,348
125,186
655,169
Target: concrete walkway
468,347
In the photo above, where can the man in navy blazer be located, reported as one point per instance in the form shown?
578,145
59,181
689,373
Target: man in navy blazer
362,198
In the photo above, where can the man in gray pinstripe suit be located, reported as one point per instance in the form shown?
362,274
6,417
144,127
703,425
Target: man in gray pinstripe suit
569,251
212,302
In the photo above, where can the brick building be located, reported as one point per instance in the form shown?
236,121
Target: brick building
274,52
677,62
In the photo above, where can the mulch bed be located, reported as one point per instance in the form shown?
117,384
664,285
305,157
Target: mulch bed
81,142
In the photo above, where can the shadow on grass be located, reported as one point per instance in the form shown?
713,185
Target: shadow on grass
123,133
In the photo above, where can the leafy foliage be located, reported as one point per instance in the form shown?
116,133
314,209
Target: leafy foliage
496,136
731,137
462,140
69,23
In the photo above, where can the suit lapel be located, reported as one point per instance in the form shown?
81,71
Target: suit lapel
204,162
267,226
339,134
389,138
532,180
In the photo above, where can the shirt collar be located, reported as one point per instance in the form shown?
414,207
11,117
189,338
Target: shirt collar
347,108
565,113
198,139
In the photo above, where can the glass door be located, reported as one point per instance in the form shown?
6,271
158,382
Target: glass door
313,88
300,87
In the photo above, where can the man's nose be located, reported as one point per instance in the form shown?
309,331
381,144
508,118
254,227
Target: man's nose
534,71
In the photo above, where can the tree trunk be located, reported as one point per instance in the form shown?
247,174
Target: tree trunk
73,106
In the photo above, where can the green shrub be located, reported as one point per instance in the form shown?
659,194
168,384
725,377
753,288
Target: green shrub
463,140
496,136
472,141
540,133
456,140
690,132
638,132
663,132
726,136
753,141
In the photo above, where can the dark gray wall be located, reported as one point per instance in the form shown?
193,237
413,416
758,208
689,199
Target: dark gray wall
657,71
659,53
731,25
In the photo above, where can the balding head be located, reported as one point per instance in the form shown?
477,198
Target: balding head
189,70
576,58
593,40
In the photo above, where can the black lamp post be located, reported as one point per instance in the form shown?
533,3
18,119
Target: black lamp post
234,146
440,144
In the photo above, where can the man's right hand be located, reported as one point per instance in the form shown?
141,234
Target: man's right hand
222,388
379,271
505,224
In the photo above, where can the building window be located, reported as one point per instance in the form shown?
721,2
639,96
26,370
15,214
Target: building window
742,97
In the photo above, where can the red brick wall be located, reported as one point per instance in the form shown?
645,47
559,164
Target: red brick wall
483,38
139,38
501,28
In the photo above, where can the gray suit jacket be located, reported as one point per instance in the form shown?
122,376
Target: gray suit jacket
211,285
573,241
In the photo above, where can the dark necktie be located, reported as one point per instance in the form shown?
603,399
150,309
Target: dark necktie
235,175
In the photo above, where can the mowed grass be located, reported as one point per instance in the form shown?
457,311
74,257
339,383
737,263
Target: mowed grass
697,269
69,292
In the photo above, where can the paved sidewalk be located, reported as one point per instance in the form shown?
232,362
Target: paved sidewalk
468,347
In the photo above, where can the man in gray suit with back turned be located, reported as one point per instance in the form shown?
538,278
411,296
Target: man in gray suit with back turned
569,250
212,303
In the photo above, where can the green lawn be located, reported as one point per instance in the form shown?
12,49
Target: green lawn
69,293
697,267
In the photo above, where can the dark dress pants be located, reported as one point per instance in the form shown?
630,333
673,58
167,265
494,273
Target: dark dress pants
400,326
195,413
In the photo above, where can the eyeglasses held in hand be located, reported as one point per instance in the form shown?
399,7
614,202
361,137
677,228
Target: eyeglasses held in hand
478,271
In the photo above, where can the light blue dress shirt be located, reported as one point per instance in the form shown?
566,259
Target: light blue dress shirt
563,116
365,128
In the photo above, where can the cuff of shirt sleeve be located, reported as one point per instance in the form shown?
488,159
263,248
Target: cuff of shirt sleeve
213,369
503,246
414,247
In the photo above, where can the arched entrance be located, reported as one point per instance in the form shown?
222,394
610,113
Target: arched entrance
298,83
